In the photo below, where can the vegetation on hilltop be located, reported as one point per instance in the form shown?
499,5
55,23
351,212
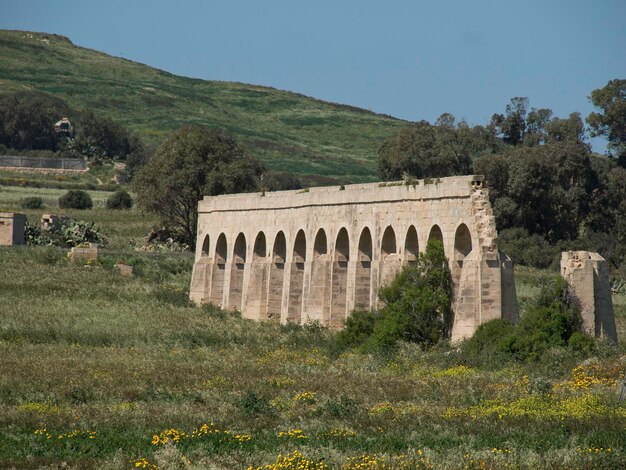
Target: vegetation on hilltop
287,131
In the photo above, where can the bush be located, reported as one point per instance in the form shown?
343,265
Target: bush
32,203
417,307
527,250
359,327
75,199
552,321
75,233
120,200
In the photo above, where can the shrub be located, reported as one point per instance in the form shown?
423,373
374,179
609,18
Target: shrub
552,321
75,233
417,307
359,327
75,199
120,200
32,203
528,250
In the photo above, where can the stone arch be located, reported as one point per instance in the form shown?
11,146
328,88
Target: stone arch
363,280
236,273
256,295
277,274
320,247
435,233
205,246
219,270
462,248
411,246
260,250
389,259
296,278
339,283
318,301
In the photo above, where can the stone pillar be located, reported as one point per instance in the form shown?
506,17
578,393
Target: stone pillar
12,228
587,273
199,291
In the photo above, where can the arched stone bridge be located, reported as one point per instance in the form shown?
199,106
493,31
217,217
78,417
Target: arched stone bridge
315,255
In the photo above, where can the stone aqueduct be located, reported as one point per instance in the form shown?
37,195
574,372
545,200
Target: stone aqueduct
315,255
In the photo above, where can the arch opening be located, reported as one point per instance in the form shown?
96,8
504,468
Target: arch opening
389,260
339,280
363,280
411,246
462,248
205,246
219,271
296,278
256,294
236,273
388,245
435,234
320,247
318,298
260,250
277,273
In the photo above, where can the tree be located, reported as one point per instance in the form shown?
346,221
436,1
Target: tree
512,125
193,162
417,307
610,122
97,136
423,150
28,120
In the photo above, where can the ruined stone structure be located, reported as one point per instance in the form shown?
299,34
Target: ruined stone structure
587,273
315,255
12,228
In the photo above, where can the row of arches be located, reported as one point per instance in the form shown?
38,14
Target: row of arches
323,282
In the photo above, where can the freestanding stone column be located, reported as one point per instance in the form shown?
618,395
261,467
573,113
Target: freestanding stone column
12,228
587,273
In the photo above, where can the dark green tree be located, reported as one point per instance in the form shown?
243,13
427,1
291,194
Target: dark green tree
416,307
511,125
97,136
423,150
28,120
193,162
610,121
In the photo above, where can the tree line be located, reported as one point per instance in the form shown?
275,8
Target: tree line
549,192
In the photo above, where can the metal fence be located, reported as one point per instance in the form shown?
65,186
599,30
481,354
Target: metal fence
37,162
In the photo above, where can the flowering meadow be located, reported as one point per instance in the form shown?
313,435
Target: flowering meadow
103,371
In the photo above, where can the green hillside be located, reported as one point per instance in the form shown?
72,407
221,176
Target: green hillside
288,131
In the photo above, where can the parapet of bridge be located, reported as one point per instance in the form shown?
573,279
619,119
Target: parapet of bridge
315,255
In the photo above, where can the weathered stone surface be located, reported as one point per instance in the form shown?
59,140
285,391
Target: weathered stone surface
317,254
588,275
86,254
12,228
124,269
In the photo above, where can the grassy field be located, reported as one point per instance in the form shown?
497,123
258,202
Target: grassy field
103,371
288,131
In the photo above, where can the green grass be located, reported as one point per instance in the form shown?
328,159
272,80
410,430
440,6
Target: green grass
87,351
288,131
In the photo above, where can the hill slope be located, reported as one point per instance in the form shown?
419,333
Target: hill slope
288,131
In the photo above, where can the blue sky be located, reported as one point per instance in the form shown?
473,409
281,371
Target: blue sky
411,59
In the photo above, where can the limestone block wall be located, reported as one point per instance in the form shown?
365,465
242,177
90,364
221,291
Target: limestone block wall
587,273
315,255
12,228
